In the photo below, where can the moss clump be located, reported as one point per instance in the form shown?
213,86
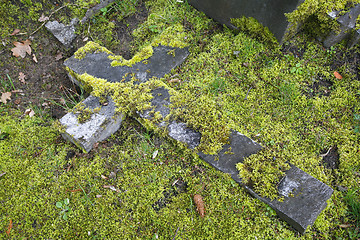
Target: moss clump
255,29
316,11
90,47
83,113
144,54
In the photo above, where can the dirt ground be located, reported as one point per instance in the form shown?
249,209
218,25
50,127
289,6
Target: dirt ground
47,88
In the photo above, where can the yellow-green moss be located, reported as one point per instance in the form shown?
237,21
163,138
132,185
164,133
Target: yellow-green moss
90,47
143,54
317,12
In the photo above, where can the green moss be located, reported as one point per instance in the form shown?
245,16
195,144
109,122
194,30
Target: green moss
144,54
312,15
254,29
90,47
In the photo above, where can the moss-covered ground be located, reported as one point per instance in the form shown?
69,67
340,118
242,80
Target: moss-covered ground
140,185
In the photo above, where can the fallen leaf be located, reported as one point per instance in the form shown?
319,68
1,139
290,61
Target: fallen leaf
5,96
345,225
9,227
58,56
174,80
85,39
34,58
21,49
17,101
16,31
29,112
22,77
43,18
200,207
337,75
104,177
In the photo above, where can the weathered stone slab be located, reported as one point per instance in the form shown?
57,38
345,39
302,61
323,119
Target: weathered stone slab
99,65
64,33
177,130
308,195
238,148
270,13
347,28
308,198
102,123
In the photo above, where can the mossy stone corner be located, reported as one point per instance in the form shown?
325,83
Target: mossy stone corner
100,122
304,197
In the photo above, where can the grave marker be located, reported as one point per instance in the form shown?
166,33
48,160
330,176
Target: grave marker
300,211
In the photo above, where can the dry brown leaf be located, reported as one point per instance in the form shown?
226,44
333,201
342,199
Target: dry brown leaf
29,112
200,207
16,31
17,101
9,227
58,56
22,77
34,58
337,75
21,49
5,96
104,177
43,18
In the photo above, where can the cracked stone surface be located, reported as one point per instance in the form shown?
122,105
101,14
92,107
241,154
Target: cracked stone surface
64,33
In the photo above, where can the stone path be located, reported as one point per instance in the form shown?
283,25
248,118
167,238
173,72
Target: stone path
300,211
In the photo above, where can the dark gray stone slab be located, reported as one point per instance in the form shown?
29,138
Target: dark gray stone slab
64,33
239,147
160,103
304,198
347,28
177,130
270,13
99,65
103,122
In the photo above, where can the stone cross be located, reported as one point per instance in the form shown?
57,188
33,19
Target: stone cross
309,194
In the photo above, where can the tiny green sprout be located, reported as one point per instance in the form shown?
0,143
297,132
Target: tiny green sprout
65,209
297,69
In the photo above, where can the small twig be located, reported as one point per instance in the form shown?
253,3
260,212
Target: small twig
50,17
2,174
247,93
323,155
176,233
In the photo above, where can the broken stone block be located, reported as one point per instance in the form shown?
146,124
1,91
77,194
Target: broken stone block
347,28
64,33
270,13
238,148
304,198
99,65
101,125
103,122
177,130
